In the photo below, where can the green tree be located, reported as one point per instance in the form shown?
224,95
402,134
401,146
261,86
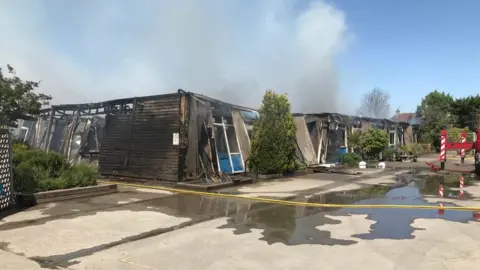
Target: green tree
373,142
18,99
465,111
436,111
274,136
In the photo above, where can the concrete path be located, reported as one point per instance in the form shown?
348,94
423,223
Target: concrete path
205,246
150,229
11,261
288,187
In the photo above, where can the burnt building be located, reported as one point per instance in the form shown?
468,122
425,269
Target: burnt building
63,129
319,136
322,137
176,137
172,137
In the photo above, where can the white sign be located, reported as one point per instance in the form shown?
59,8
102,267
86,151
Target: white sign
176,139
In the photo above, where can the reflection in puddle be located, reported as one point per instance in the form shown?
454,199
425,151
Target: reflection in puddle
428,184
303,225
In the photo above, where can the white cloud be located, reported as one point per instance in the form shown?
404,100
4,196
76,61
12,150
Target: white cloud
231,50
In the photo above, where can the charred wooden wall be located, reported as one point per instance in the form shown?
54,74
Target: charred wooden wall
140,144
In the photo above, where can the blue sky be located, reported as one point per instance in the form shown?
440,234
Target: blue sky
412,47
323,54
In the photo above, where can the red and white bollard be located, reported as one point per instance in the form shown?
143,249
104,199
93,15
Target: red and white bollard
441,211
440,191
443,149
462,151
462,193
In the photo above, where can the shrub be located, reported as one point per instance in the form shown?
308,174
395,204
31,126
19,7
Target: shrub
37,170
274,137
407,148
388,153
418,149
80,175
52,163
415,149
53,184
350,159
24,178
373,142
19,147
299,165
455,134
427,148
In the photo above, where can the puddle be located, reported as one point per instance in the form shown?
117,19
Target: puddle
279,223
396,223
303,225
179,205
429,184
196,208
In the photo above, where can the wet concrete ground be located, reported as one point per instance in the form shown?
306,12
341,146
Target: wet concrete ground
293,226
157,230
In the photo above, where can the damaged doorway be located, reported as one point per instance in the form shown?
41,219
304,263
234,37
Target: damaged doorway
229,156
336,139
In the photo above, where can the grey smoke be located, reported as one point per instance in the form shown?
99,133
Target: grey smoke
230,50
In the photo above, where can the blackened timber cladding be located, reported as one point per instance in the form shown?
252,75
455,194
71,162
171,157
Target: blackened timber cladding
140,143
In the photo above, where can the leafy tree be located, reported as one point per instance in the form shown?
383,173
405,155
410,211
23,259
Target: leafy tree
274,136
435,103
18,99
436,111
465,111
373,142
375,103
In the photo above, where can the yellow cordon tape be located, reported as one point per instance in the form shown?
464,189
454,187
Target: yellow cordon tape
458,158
295,203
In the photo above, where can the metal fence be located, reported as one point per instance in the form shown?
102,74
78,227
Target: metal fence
6,177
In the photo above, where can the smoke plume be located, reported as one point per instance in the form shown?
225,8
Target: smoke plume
87,51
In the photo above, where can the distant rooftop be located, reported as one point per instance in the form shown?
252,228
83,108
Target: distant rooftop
410,118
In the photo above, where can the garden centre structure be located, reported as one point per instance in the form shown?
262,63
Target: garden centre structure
66,129
182,136
320,136
172,137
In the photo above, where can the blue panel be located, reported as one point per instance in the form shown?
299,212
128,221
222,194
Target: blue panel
341,151
237,163
224,163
